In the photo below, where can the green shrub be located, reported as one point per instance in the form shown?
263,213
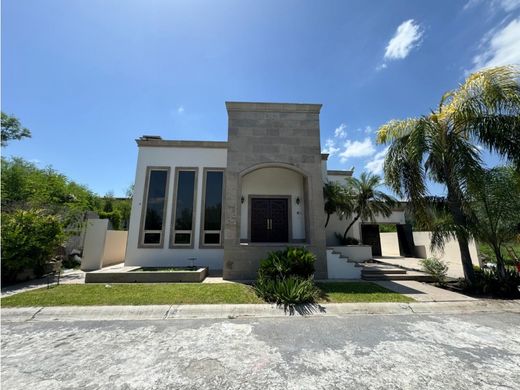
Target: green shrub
285,277
489,282
113,216
436,268
288,291
297,262
29,240
346,241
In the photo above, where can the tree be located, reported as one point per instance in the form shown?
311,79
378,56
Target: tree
12,129
495,202
367,200
336,200
442,146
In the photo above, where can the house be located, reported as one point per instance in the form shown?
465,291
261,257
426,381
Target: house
225,205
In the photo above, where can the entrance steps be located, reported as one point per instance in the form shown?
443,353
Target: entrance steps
378,271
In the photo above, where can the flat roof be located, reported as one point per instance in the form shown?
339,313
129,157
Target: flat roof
154,142
339,173
276,107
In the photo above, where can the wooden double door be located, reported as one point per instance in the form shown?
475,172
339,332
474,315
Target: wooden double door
269,220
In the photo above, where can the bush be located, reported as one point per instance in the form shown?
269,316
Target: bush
287,291
436,268
113,216
346,241
285,277
488,282
297,262
29,240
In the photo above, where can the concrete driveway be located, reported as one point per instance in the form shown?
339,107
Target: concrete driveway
471,351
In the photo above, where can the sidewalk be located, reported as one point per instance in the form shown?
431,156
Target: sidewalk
423,292
172,312
73,276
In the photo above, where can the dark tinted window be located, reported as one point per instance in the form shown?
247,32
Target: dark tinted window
182,238
184,207
212,238
155,200
152,238
213,202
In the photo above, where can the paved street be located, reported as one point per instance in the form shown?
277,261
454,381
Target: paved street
358,351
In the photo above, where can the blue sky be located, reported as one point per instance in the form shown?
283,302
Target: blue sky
88,77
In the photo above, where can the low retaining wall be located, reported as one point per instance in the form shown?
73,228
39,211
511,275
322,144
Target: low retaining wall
147,276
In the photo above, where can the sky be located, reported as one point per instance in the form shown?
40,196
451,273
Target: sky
88,77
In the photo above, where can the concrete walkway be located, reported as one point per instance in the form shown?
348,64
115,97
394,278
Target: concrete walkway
67,277
423,292
172,312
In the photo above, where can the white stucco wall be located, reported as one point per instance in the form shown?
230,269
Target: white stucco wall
115,247
172,157
450,255
275,181
337,225
389,244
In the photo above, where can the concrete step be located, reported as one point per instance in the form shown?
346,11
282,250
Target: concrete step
370,271
417,276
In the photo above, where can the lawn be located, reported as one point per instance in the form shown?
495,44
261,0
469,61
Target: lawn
185,293
339,292
133,294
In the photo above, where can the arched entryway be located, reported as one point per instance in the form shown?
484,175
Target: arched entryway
273,205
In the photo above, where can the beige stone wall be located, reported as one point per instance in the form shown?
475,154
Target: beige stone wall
264,135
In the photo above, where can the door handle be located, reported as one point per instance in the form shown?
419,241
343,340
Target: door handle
267,220
270,224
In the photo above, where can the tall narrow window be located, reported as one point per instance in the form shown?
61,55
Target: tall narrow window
183,222
155,201
212,209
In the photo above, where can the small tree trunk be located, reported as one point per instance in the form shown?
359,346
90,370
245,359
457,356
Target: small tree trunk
465,257
349,226
459,218
327,221
501,267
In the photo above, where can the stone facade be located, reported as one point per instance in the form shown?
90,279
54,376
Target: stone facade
272,135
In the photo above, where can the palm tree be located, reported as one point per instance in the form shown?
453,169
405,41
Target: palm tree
442,146
336,200
367,200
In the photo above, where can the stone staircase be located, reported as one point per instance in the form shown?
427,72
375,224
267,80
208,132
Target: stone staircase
381,271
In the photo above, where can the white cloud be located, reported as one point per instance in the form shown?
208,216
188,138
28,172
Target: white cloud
180,109
340,131
501,47
330,147
375,165
406,37
357,149
368,130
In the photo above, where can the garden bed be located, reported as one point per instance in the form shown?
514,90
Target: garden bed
150,275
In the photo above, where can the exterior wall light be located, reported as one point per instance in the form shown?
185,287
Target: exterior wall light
297,200
242,199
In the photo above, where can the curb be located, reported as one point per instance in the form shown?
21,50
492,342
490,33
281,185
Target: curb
173,312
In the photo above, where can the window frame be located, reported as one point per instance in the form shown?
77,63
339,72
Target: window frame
144,208
173,245
202,231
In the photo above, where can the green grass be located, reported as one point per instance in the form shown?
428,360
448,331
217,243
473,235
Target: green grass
133,294
338,292
185,293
